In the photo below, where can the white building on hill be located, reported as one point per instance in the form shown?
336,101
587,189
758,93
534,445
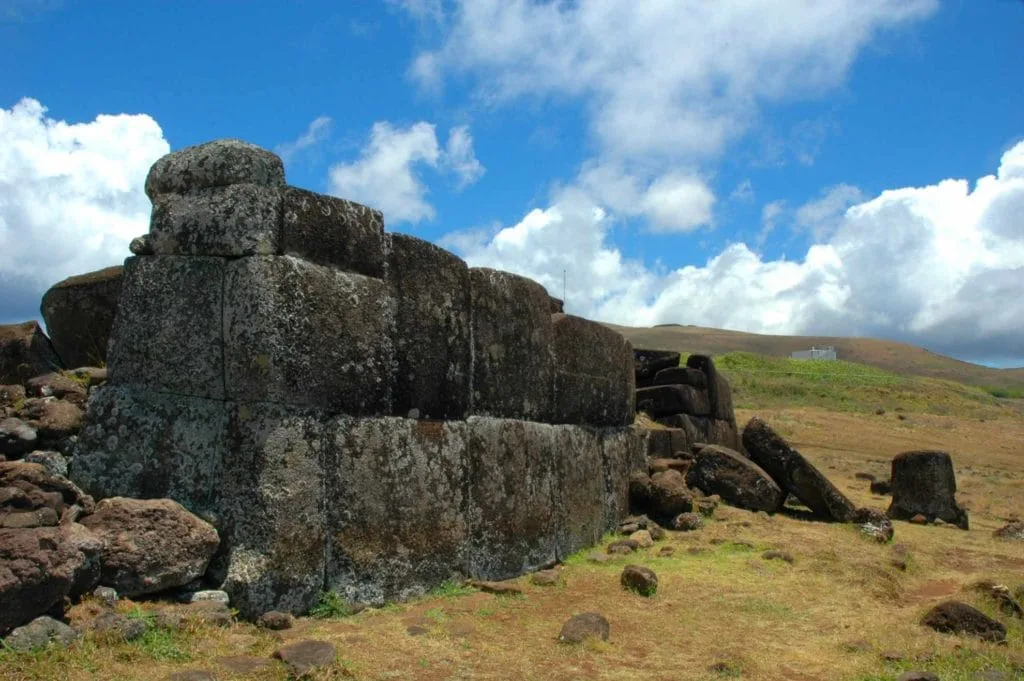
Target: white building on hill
827,352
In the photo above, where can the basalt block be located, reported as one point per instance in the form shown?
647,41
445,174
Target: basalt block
735,478
580,490
668,443
624,451
924,483
302,334
647,363
167,334
330,231
719,391
682,376
214,164
25,351
431,293
512,483
594,381
79,313
231,221
513,372
397,513
663,400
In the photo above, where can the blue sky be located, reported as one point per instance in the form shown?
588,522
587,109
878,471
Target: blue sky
777,167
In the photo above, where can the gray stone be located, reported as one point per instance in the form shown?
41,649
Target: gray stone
145,444
107,594
431,292
579,628
215,595
25,351
736,479
640,579
191,675
677,375
397,508
17,437
230,221
594,381
128,629
580,489
330,231
79,313
275,620
141,245
513,373
512,479
924,483
664,400
303,657
1014,530
302,334
719,392
624,451
167,334
648,363
39,633
795,474
723,433
668,443
213,164
53,462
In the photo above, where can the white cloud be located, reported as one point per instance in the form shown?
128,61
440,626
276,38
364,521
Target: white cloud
71,197
771,213
317,131
386,175
822,216
744,192
940,266
678,203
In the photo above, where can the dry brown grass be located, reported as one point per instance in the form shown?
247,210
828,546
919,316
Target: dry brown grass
828,616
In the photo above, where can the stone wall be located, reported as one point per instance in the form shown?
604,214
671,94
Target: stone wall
353,409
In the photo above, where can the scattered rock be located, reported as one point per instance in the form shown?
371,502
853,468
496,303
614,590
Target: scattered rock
244,665
1014,530
497,588
918,519
38,633
53,462
706,505
639,579
106,595
275,620
860,475
736,479
874,523
669,494
955,617
623,546
17,438
129,629
213,613
417,630
687,522
546,578
643,539
882,488
918,676
666,552
303,657
588,625
776,554
191,675
892,656
205,595
924,483
598,557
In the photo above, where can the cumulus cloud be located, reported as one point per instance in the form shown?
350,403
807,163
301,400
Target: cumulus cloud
71,197
822,216
317,131
939,266
387,174
771,214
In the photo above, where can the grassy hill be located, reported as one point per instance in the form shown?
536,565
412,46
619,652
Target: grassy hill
897,358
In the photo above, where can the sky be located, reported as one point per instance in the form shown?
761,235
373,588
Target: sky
819,167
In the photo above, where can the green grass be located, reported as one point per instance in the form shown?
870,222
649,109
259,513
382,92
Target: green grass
450,588
331,605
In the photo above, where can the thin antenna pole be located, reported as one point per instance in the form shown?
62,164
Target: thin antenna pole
563,285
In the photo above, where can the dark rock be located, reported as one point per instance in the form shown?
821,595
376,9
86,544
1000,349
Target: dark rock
648,363
687,522
681,466
19,520
151,544
38,489
794,473
581,498
918,519
108,596
1014,530
39,633
275,620
669,495
214,164
25,351
79,313
497,588
17,438
331,231
594,382
736,479
917,676
666,552
57,385
706,505
860,475
141,245
923,483
775,554
678,375
881,487
557,305
302,657
663,400
873,523
579,628
955,617
53,419
639,579
667,443
719,392
640,490
126,628
623,546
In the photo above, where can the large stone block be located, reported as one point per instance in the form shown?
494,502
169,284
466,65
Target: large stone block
594,375
273,508
513,371
330,231
149,445
167,334
624,451
735,478
512,479
79,313
25,351
649,362
719,392
663,400
431,292
580,494
302,334
232,221
924,483
668,443
397,509
214,164
681,376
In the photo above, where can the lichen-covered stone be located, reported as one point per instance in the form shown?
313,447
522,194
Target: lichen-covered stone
25,351
330,231
736,479
149,445
431,293
167,334
397,510
231,221
594,375
307,335
79,313
624,451
512,479
580,489
513,373
214,164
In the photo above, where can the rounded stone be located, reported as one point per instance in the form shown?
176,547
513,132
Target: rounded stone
214,164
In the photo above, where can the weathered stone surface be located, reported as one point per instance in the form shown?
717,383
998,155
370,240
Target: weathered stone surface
57,385
955,617
640,579
79,313
795,474
579,628
169,325
53,462
594,377
303,657
330,231
397,511
151,544
662,400
687,522
229,221
52,419
719,392
39,633
677,375
647,363
661,465
624,451
723,433
91,376
668,443
30,486
738,480
924,483
17,437
1014,530
513,374
307,335
512,480
580,489
557,305
145,444
695,428
25,351
37,570
669,495
273,509
275,620
214,164
874,523
431,293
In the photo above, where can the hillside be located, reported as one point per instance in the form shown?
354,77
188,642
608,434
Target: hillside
900,358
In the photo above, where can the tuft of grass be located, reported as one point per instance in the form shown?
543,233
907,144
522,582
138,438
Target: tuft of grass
331,605
450,588
161,645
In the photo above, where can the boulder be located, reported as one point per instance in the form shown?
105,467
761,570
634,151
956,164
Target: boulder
588,625
640,579
58,385
736,479
794,474
214,164
326,230
229,221
924,483
151,544
304,657
663,400
955,617
29,487
873,523
594,383
687,522
54,462
669,495
431,293
53,419
79,313
719,392
647,363
25,351
39,633
17,438
1014,530
677,375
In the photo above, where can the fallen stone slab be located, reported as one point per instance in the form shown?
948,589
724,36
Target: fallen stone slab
736,479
